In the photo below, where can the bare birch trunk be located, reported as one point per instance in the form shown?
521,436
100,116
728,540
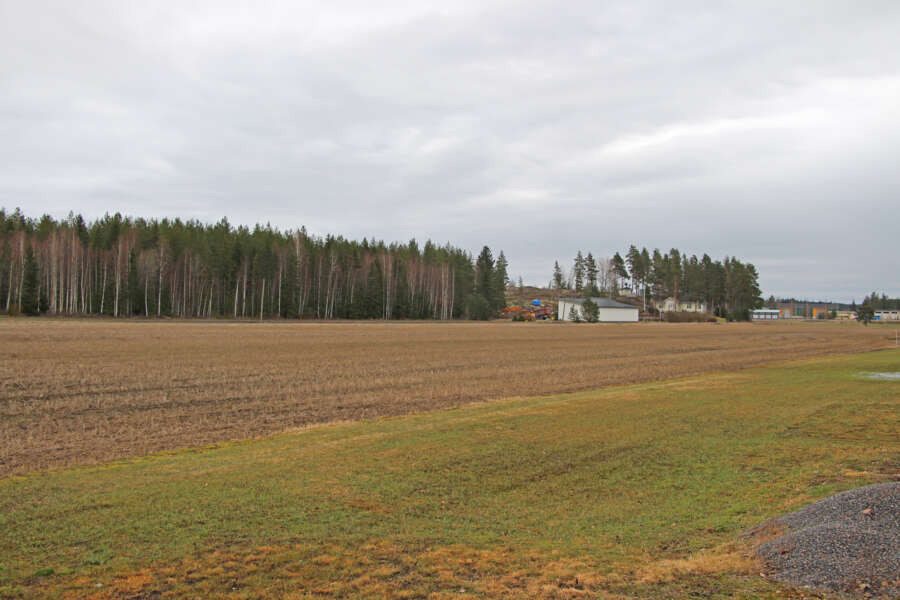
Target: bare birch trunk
118,270
244,299
10,288
21,271
54,268
237,282
262,299
103,288
159,290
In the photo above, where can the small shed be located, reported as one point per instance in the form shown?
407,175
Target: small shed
609,311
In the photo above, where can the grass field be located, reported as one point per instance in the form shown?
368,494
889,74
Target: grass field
80,392
631,491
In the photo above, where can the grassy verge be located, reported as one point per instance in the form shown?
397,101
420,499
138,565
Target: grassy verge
638,491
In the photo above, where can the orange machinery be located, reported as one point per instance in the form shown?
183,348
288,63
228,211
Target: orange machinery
528,314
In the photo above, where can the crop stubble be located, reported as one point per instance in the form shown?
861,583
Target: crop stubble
77,392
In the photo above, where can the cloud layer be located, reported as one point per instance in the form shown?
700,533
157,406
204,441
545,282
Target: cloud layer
762,130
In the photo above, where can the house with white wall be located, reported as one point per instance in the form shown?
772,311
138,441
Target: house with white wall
671,305
608,311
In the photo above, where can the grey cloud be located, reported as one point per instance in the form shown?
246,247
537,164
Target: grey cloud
764,130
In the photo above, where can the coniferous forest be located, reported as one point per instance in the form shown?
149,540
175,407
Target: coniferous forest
119,266
728,287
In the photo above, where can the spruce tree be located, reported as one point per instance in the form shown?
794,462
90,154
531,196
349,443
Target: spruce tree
590,310
134,292
559,282
865,313
30,300
484,276
501,280
575,315
478,308
373,303
402,308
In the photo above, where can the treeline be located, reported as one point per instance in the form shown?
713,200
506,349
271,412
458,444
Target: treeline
881,302
120,266
729,287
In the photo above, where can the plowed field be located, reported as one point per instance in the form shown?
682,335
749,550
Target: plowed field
75,392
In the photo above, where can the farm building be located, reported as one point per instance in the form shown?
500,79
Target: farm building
672,305
887,315
764,314
609,311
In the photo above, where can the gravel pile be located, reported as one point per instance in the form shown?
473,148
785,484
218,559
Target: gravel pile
849,542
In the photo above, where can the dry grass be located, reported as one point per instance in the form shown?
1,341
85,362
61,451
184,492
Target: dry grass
381,569
74,392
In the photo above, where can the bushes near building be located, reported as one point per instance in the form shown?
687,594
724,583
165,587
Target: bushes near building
688,317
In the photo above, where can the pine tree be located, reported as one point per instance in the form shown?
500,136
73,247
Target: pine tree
590,272
578,272
657,275
674,273
618,266
635,264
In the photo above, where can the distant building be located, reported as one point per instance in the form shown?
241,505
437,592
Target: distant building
806,310
886,315
765,314
845,315
609,311
670,305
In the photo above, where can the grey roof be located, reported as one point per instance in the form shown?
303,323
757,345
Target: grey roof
600,302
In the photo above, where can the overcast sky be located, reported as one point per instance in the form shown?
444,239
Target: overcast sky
768,131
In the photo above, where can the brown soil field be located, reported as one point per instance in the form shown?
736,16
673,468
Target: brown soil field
83,391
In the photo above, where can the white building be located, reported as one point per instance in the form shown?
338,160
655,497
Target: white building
765,314
887,315
670,305
608,311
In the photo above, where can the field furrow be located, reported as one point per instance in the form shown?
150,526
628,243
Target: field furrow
77,392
